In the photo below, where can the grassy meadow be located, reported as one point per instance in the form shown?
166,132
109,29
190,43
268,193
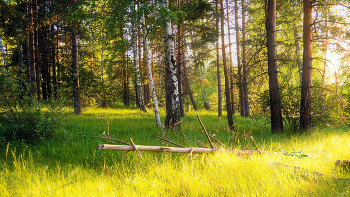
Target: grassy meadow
70,165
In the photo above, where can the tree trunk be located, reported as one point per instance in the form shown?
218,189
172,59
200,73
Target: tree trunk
180,61
239,65
188,88
37,59
172,91
125,82
43,63
53,59
305,106
31,51
27,40
218,70
75,69
5,61
20,69
297,54
204,89
137,68
227,83
149,71
232,90
275,101
244,63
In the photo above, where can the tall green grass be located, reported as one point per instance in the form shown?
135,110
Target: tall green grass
70,165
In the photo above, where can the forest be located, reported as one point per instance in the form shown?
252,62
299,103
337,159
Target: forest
74,69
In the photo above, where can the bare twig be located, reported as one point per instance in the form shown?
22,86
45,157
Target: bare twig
251,137
135,148
206,133
217,141
108,138
245,140
235,138
171,142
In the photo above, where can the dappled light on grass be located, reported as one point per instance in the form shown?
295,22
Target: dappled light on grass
71,165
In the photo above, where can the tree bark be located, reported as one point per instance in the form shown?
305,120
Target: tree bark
204,89
172,90
180,60
297,54
137,68
5,61
244,63
305,106
75,69
275,101
31,51
37,60
227,83
239,65
218,70
232,90
149,72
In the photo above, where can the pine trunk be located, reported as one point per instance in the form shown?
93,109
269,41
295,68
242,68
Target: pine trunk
305,106
244,63
232,90
218,70
239,65
227,83
31,51
275,101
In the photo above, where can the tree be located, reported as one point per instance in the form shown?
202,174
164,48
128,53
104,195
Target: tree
239,65
136,65
227,83
245,100
172,92
149,72
75,69
305,105
218,63
232,90
275,101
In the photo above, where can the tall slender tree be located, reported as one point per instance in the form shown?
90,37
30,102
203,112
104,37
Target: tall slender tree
136,64
149,72
75,69
227,83
232,90
305,105
218,69
245,99
275,101
239,64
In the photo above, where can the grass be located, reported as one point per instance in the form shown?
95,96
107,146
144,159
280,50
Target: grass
70,165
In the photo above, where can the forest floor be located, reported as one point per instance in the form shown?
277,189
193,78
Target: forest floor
70,165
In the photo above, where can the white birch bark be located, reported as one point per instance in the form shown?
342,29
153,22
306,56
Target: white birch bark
136,65
4,57
172,96
149,73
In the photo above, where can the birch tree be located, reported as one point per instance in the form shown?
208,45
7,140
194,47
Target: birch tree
149,73
172,91
136,64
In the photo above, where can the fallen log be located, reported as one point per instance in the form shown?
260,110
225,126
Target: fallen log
172,149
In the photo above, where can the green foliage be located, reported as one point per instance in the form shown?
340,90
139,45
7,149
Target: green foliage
25,119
